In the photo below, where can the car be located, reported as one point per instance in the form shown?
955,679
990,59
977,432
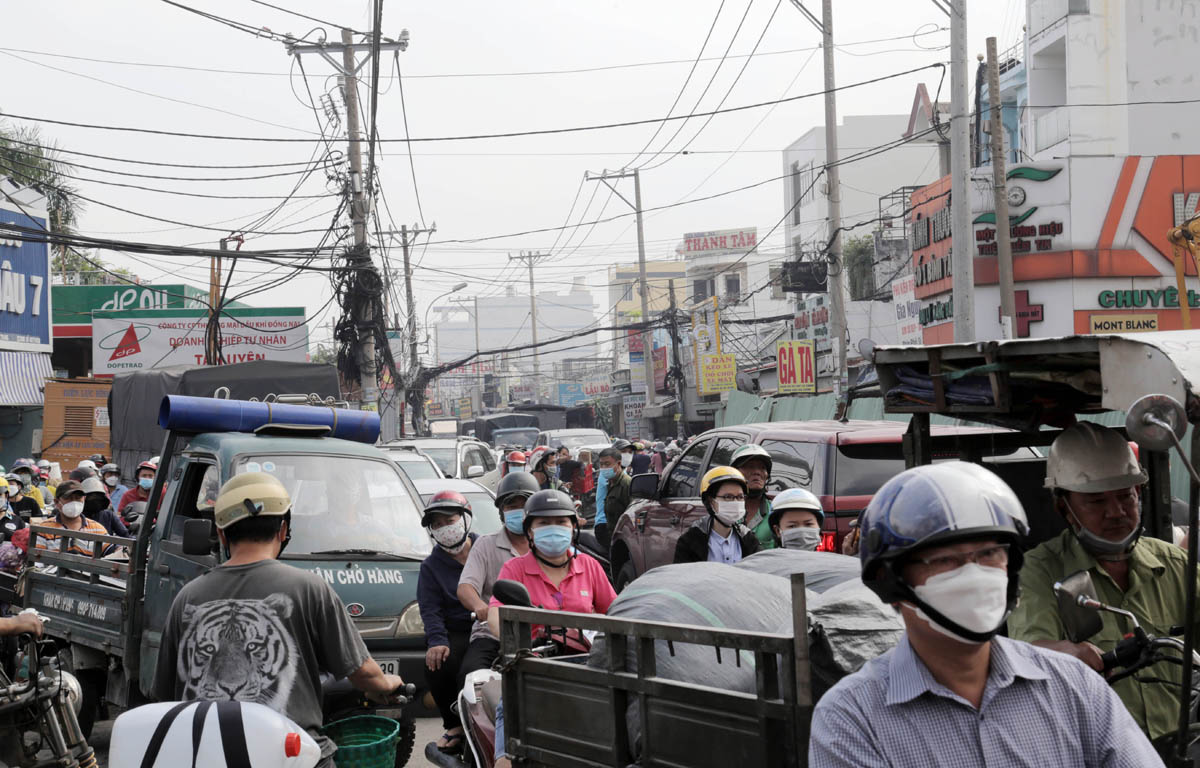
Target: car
416,465
458,457
595,440
842,462
485,514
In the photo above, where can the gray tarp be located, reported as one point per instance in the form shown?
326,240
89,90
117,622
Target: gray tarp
135,397
821,570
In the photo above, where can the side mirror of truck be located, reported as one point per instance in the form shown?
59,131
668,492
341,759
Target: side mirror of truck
510,592
644,486
197,537
475,470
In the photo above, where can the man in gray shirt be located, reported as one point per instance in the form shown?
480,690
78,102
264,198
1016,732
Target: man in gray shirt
255,629
488,554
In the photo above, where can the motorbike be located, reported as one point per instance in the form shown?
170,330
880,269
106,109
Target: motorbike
39,724
481,691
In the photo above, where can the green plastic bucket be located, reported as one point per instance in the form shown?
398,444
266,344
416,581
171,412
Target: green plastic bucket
365,741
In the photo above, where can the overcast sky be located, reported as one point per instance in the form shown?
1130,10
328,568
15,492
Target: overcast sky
458,80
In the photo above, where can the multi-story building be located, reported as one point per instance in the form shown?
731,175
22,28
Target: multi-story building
1098,119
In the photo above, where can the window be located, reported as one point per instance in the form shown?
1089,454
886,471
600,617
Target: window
794,465
700,290
802,188
733,287
775,276
723,453
489,459
683,482
862,468
475,458
627,293
197,495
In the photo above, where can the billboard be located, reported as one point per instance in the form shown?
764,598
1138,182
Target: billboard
718,373
719,241
24,285
908,310
570,393
633,405
659,357
155,338
74,304
797,370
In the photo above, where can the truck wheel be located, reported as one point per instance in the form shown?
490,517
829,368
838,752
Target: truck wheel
625,576
91,683
405,741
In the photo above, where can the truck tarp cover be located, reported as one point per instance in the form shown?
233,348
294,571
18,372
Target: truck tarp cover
135,397
486,425
718,596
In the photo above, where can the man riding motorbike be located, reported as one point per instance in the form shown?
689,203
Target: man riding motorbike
755,463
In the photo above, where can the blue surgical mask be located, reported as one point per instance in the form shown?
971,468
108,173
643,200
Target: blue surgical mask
553,540
514,520
607,473
145,483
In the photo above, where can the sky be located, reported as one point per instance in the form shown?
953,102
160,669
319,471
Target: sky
471,68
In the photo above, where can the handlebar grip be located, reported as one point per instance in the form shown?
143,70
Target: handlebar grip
1109,660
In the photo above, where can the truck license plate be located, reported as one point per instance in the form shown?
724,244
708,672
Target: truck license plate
389,666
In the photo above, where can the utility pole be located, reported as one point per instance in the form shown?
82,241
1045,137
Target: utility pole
530,258
961,233
837,267
359,255
408,236
1008,300
214,300
647,335
677,366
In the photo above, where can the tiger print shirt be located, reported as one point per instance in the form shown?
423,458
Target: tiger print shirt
260,632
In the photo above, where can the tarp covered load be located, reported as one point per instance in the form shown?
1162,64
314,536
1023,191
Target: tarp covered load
756,597
136,396
486,425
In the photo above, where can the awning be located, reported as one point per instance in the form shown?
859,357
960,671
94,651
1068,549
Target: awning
23,376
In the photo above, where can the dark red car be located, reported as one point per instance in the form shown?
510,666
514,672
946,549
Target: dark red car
843,463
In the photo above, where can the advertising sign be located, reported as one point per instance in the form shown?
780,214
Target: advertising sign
633,405
24,286
571,394
797,371
435,409
718,373
1122,323
155,338
463,408
596,388
719,241
908,310
74,304
660,369
706,331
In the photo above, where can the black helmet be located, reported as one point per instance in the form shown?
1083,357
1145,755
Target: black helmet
516,483
549,503
621,444
109,468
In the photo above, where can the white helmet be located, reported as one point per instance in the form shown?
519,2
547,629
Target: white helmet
1090,458
795,498
86,464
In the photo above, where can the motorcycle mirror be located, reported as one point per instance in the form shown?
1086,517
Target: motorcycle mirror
511,593
1156,422
1079,622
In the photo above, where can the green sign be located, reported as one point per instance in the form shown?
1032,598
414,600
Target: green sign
74,304
1145,298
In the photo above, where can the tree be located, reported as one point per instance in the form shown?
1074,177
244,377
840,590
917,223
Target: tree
858,253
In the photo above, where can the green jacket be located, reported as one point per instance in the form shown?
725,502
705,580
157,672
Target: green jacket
1156,597
762,529
617,498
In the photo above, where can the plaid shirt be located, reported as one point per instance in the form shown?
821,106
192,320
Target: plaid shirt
1039,708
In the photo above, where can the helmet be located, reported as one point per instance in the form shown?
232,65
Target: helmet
795,498
445,503
93,485
1089,458
750,451
516,457
516,484
621,444
107,468
13,476
717,475
659,447
150,465
539,455
549,503
250,494
84,464
43,464
97,458
638,446
934,505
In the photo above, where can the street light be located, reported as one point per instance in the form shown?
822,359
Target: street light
458,287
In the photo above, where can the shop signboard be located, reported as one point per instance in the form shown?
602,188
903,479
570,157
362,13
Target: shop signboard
435,409
140,339
706,332
74,304
25,306
718,373
660,369
633,405
570,394
462,408
908,310
719,241
796,366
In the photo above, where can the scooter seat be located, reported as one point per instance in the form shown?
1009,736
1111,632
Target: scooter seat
489,694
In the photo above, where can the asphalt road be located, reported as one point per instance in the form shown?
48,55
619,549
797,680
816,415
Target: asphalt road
428,729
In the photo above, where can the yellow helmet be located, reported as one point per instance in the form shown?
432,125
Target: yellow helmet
718,475
250,494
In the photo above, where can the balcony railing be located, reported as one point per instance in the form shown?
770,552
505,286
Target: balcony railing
1050,126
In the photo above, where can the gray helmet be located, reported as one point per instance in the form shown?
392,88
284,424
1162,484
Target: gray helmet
549,503
1090,458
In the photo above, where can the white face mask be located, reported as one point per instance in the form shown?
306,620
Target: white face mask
452,537
13,490
626,459
72,509
800,538
729,512
111,481
973,596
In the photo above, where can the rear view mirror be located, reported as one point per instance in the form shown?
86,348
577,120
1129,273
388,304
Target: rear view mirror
511,593
197,537
644,486
475,470
1156,422
1079,622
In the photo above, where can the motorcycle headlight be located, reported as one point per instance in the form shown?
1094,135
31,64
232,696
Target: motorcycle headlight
74,692
410,624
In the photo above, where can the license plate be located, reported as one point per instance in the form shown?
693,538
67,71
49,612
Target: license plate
389,666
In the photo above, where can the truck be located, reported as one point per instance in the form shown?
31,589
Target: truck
356,523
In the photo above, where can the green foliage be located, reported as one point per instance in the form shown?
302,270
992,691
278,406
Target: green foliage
858,254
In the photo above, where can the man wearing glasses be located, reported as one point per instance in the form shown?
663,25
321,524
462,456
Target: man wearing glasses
721,537
1095,476
940,544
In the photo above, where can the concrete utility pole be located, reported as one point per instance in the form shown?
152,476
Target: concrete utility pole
961,233
214,304
530,258
647,335
1008,299
408,236
359,256
837,267
677,365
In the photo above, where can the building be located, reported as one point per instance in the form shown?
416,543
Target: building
1097,175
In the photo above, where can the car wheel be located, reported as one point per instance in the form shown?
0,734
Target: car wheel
625,576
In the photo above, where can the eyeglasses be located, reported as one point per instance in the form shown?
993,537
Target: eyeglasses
732,498
995,556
